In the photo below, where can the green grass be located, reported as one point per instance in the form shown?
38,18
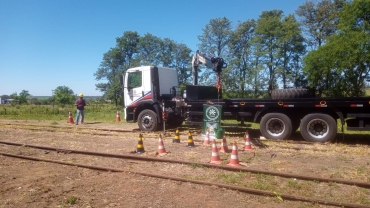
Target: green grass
94,112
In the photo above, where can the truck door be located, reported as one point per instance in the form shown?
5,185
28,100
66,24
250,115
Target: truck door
133,89
138,87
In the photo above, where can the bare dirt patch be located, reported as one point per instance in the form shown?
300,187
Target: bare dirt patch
27,183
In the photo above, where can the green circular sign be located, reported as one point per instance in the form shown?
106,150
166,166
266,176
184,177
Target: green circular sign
212,113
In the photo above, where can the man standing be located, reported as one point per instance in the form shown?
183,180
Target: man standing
80,104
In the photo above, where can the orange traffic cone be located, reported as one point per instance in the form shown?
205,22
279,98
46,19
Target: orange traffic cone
70,119
215,156
224,147
190,140
140,145
177,137
118,118
161,149
206,138
247,145
234,160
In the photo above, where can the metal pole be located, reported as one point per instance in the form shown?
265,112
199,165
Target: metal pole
163,118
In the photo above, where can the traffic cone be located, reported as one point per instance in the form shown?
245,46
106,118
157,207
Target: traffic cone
190,140
161,149
70,118
177,137
140,145
247,145
215,156
234,160
224,147
118,118
206,138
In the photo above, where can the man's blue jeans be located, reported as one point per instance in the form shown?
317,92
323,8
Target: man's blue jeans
80,112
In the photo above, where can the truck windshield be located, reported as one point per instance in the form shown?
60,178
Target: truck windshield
134,79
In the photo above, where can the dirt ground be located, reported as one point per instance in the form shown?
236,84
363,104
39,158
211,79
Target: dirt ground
25,183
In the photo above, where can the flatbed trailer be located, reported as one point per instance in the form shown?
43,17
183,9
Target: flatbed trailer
152,100
279,118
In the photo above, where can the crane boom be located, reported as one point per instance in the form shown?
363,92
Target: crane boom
210,61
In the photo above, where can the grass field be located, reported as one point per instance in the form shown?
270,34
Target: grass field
94,112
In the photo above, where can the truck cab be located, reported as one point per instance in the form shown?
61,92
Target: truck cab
145,89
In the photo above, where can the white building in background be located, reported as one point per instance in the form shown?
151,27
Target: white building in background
6,101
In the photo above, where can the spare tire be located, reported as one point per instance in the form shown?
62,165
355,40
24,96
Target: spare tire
290,93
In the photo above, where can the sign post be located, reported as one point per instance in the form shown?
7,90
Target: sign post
211,119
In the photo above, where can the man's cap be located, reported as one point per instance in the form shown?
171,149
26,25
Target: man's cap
81,95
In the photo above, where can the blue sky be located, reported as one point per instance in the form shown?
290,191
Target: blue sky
49,43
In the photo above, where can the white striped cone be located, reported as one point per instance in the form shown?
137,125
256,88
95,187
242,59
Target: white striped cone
206,138
247,145
224,147
215,156
161,148
234,160
70,119
118,117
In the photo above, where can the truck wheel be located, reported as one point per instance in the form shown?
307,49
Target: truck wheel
275,126
290,93
318,127
147,120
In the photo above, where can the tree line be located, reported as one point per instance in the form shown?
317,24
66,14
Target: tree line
323,47
62,95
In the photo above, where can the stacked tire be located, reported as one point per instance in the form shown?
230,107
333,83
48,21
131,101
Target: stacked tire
290,93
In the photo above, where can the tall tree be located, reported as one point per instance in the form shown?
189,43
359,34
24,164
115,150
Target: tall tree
319,20
63,95
292,49
148,50
242,67
114,63
268,33
214,40
128,45
181,62
166,55
344,59
110,69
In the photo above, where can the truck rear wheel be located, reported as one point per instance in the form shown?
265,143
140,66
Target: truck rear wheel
276,126
147,120
318,127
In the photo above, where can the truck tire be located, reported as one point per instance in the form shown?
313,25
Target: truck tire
276,126
147,120
317,127
290,93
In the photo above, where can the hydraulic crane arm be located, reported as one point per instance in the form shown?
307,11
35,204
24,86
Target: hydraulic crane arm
210,61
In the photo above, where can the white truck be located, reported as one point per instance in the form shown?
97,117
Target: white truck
151,97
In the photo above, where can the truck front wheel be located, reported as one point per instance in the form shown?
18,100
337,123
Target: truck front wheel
275,126
318,127
147,120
